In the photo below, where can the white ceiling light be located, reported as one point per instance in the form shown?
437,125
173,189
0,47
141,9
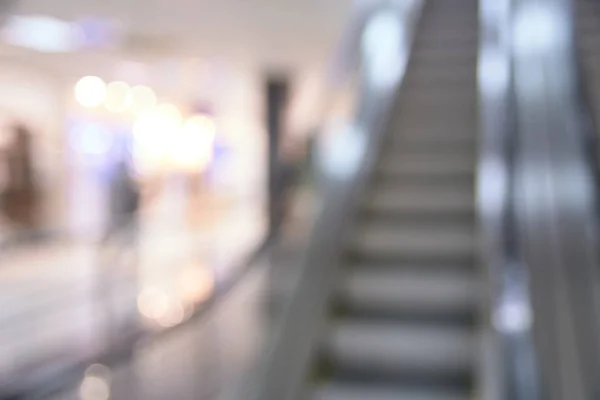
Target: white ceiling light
44,34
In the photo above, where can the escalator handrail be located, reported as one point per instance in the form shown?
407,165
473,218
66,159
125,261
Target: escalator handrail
555,199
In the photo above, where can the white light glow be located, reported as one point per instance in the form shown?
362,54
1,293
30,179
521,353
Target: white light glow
169,117
143,99
118,97
513,316
342,152
383,46
43,34
100,371
153,136
90,91
94,388
538,28
192,146
494,71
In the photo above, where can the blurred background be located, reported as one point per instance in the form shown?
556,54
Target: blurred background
272,200
142,151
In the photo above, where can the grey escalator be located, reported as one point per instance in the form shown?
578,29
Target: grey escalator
404,318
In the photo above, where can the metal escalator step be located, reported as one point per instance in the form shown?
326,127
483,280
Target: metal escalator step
423,126
421,198
410,145
440,108
397,292
421,351
424,56
428,93
418,241
435,43
428,164
348,391
440,76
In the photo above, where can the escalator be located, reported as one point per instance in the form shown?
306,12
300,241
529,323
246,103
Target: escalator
403,321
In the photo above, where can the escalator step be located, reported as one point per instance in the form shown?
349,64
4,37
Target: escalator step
342,391
449,164
399,292
444,241
436,199
412,125
422,352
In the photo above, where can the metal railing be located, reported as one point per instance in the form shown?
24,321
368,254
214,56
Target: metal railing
552,212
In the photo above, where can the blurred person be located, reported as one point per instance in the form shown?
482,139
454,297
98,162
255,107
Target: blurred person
20,197
292,158
118,259
124,200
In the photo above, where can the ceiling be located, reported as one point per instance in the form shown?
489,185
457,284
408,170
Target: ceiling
266,32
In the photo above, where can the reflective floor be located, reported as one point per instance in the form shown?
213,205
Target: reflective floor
66,298
200,360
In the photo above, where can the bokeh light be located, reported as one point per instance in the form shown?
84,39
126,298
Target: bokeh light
154,133
100,371
196,284
153,303
169,117
118,97
143,99
90,91
94,388
192,146
173,315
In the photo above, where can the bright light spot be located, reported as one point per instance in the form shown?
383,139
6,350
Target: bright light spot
90,91
192,146
513,316
99,371
492,186
342,151
384,49
494,71
173,316
494,9
153,136
196,284
170,116
44,34
538,28
118,97
94,388
143,99
152,303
